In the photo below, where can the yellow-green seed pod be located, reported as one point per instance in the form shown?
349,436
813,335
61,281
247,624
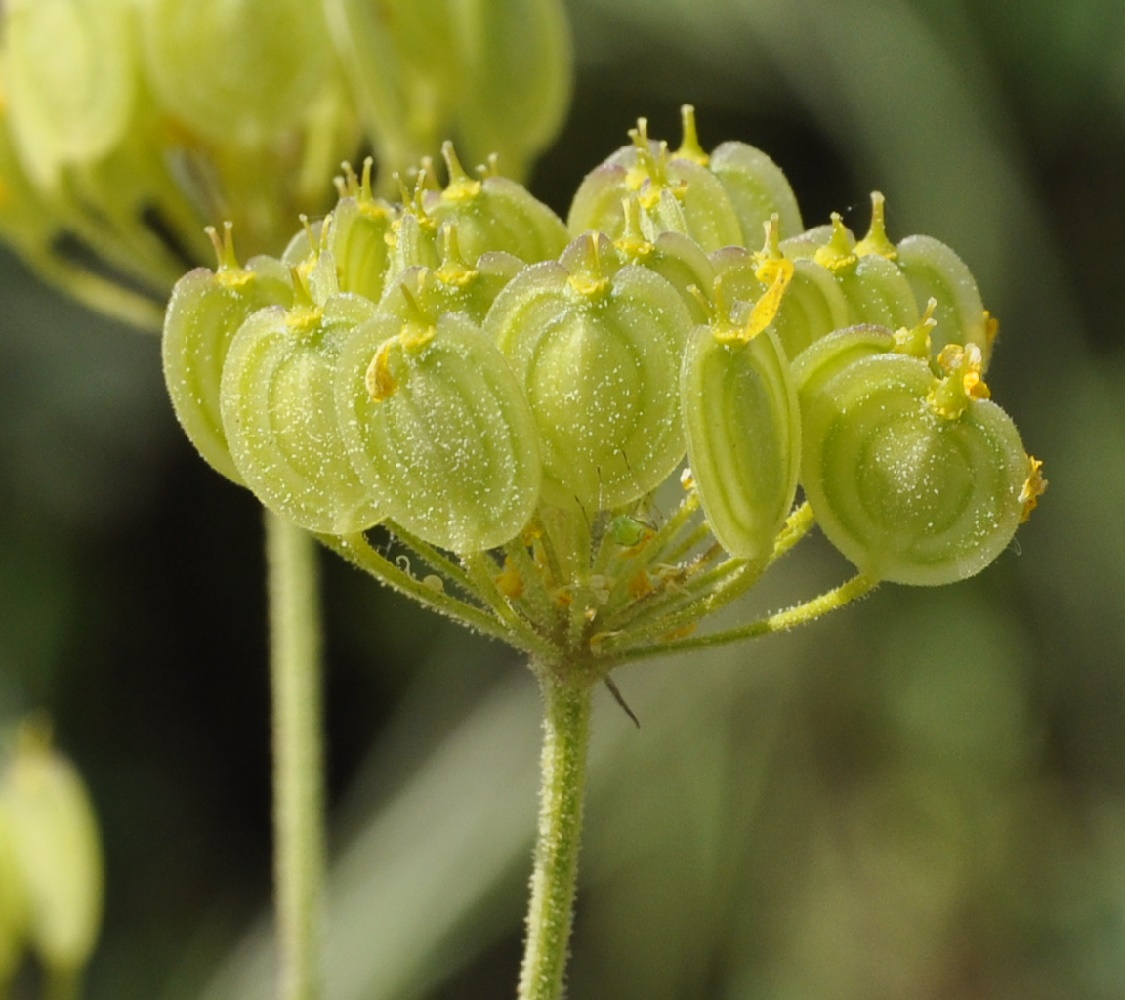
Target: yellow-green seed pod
917,480
878,293
55,841
406,72
203,315
358,240
13,904
70,79
813,303
819,362
495,213
279,413
756,186
757,189
239,73
676,194
516,83
675,257
455,286
743,428
935,271
597,351
436,425
413,241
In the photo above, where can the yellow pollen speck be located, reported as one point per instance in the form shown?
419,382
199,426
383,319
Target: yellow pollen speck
1033,487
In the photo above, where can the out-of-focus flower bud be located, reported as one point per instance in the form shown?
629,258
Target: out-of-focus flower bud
517,75
53,837
494,74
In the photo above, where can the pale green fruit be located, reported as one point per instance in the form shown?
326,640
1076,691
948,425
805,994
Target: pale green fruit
203,315
597,351
758,190
933,270
743,432
279,413
436,425
679,261
910,490
877,292
70,80
495,213
452,287
813,304
359,236
676,194
819,362
236,72
516,83
54,840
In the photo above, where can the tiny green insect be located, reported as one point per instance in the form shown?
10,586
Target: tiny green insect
629,532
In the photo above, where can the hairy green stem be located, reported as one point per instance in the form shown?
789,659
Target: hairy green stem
298,759
780,621
566,737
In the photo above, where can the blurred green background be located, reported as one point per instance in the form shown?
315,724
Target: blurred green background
921,797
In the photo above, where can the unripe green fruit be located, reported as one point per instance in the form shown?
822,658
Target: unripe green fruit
240,72
830,355
933,270
675,257
495,213
437,427
677,194
757,189
204,314
515,84
279,412
910,490
813,303
452,287
597,351
413,241
70,80
358,239
744,435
